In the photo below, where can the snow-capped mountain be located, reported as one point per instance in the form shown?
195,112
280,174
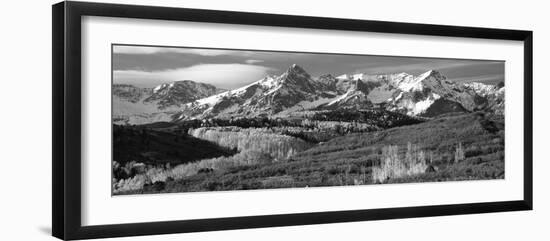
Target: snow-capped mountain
431,94
180,92
493,96
134,105
268,96
428,94
295,92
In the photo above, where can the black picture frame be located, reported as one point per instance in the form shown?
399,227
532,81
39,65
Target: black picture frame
66,128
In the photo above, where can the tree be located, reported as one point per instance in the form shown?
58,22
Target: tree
459,153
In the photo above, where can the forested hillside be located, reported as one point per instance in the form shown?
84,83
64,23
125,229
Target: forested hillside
452,147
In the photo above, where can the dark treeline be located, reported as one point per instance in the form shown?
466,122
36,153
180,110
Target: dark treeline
381,118
319,127
374,117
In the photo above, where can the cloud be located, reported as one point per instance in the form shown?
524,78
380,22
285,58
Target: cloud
253,61
228,76
124,49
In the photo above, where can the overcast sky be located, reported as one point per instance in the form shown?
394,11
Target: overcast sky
150,66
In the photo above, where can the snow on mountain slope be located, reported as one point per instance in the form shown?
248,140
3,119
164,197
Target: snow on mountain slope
295,91
267,96
414,95
482,89
133,105
366,90
420,92
493,95
417,93
179,93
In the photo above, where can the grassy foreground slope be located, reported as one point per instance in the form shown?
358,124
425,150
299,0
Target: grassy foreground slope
478,132
348,160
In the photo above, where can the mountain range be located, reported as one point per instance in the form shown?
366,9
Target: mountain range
134,105
295,92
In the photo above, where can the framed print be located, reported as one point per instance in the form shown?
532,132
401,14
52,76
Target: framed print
169,120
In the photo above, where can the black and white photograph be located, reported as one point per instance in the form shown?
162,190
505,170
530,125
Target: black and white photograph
195,119
275,120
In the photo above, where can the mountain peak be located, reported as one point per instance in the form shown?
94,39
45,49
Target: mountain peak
295,73
296,78
179,92
433,73
296,69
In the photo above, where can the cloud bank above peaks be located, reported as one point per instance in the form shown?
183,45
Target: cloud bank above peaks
147,66
227,76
